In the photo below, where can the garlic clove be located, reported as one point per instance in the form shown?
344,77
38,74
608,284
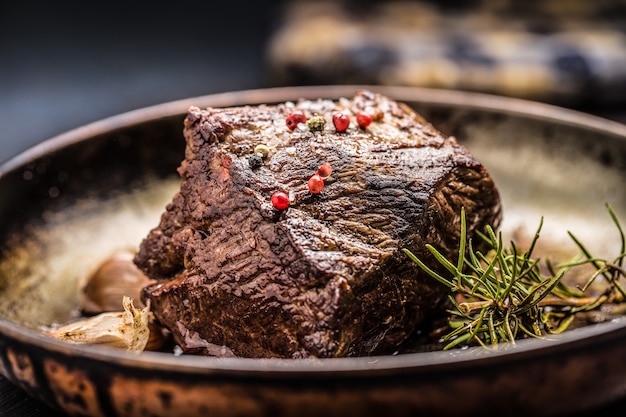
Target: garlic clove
116,277
127,329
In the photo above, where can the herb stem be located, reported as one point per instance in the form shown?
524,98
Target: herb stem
468,308
503,294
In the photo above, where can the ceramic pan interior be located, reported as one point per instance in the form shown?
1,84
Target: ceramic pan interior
70,201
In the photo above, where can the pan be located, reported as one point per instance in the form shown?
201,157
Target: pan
70,201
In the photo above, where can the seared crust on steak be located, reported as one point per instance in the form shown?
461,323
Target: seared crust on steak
325,277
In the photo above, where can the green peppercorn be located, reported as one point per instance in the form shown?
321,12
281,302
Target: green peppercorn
316,123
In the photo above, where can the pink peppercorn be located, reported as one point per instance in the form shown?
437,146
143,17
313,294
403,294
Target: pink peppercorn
280,200
341,121
324,171
316,184
294,118
363,119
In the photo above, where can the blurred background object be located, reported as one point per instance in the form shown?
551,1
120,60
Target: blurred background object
66,64
568,52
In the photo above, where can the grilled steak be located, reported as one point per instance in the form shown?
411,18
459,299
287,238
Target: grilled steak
324,277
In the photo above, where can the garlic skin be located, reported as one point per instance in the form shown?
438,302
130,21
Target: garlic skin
116,277
127,329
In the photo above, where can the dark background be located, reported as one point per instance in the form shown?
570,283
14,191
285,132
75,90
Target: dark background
67,63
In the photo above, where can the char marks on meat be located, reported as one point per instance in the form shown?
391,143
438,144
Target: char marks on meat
326,277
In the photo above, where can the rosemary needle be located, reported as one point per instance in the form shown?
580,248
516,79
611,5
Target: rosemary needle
504,294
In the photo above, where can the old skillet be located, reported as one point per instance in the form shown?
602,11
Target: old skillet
69,201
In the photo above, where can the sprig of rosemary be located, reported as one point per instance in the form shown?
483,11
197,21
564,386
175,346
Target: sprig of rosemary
507,294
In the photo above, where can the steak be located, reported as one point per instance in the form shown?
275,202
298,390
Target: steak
324,277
